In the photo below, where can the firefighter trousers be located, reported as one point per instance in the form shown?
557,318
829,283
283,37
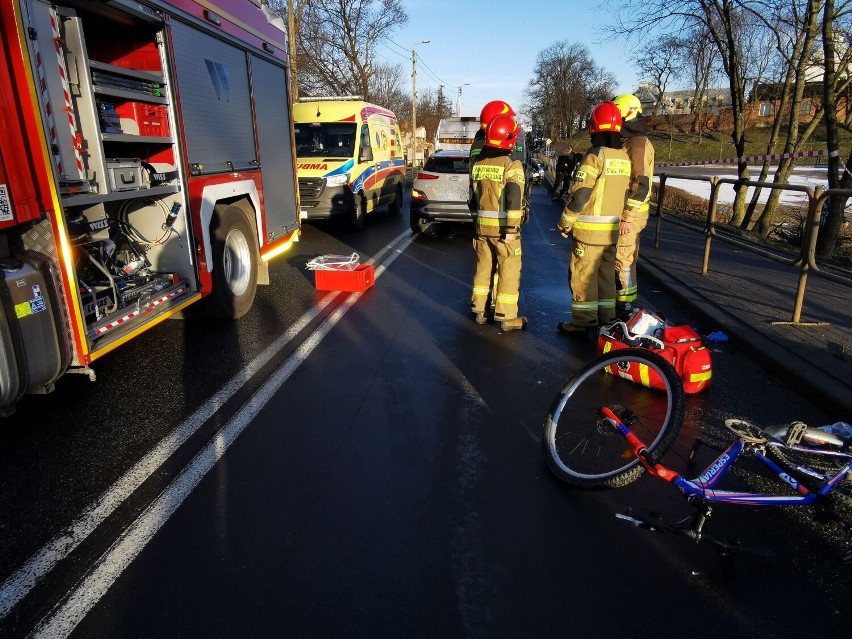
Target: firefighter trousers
504,259
626,257
592,284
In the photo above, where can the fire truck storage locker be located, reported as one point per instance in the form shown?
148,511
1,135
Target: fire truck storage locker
122,202
156,124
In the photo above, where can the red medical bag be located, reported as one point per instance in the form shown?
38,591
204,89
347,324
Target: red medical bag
679,345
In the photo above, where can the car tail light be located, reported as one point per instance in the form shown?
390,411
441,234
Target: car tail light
417,195
426,176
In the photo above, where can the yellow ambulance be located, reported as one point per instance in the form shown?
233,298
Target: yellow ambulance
349,159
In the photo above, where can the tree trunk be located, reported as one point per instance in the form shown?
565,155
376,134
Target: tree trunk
830,229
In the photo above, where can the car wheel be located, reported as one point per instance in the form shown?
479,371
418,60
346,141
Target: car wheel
395,207
359,211
418,223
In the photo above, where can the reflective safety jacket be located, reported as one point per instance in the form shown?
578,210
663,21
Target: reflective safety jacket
475,150
598,197
498,188
641,153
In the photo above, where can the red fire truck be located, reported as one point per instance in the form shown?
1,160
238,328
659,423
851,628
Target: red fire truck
146,170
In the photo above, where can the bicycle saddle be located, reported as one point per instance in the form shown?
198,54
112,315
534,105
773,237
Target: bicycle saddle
799,432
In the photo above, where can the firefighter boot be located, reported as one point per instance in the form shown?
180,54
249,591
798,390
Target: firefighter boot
516,324
588,332
479,318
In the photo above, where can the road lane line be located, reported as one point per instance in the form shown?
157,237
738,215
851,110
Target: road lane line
61,621
19,584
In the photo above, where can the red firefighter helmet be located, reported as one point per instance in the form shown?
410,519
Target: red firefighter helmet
492,110
606,118
502,132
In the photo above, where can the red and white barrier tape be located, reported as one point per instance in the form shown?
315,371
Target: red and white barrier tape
750,159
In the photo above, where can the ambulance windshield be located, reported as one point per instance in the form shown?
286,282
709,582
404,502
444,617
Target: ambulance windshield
324,139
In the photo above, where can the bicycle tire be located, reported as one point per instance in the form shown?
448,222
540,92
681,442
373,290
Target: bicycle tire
789,460
583,449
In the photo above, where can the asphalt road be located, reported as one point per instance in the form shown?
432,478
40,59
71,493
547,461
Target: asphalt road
376,473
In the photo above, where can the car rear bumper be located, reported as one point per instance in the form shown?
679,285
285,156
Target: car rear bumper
442,212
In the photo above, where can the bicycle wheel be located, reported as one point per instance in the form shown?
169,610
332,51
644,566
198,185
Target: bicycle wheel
582,448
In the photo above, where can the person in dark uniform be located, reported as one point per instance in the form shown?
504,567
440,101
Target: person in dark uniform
564,168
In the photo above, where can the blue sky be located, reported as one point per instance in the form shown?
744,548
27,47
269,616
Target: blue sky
467,47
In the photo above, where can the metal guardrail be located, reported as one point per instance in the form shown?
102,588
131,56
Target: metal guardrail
805,261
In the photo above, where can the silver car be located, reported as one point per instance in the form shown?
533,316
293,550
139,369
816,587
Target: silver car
440,190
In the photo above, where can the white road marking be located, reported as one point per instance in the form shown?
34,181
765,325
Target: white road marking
24,579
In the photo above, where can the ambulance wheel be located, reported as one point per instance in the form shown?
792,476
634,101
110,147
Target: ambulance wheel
234,257
359,212
395,207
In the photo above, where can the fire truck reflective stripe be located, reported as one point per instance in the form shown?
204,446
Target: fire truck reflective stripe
106,328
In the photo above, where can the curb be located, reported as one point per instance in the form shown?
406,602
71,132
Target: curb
808,380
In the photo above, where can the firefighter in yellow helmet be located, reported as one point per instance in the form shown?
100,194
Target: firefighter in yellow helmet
498,189
641,153
592,217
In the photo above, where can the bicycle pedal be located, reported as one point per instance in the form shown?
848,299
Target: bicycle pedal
636,522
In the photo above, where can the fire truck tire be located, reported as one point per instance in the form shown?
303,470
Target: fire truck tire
395,207
234,258
359,212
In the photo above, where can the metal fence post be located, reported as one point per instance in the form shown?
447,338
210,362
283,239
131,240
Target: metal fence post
661,193
809,245
710,229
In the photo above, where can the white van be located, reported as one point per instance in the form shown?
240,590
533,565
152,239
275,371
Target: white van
456,134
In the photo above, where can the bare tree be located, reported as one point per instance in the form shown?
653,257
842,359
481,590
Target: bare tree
722,21
801,20
700,67
658,63
336,45
836,30
566,85
388,90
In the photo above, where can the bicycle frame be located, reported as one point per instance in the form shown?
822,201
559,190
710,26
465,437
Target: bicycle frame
702,489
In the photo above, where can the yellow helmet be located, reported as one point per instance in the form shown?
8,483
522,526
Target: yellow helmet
629,106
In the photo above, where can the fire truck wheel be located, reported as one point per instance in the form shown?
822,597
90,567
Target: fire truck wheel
395,207
234,265
359,212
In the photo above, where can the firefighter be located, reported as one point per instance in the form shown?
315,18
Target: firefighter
498,185
641,153
592,217
488,113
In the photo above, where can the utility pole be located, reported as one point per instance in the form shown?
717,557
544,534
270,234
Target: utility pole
440,101
291,39
414,99
458,104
